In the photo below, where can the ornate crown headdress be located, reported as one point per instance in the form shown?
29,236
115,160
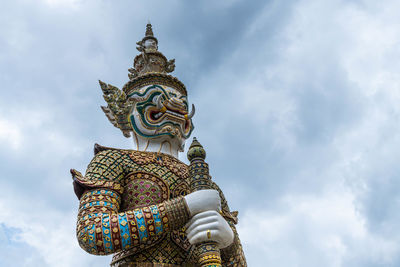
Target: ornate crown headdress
149,67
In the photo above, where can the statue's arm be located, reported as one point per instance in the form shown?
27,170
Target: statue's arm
232,255
101,227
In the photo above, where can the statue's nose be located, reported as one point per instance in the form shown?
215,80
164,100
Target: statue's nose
177,103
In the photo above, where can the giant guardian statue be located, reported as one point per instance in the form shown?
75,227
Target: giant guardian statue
144,205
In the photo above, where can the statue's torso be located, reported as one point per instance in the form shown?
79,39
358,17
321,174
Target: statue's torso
134,183
147,179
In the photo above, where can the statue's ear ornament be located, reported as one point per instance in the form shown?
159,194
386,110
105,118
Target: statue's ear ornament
118,108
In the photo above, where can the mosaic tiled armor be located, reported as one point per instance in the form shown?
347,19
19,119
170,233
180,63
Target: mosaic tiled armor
131,205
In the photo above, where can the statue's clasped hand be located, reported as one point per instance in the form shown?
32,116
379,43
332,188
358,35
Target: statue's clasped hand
209,226
206,223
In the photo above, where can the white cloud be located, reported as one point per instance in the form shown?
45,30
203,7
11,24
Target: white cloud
50,233
306,230
343,227
307,102
36,131
10,134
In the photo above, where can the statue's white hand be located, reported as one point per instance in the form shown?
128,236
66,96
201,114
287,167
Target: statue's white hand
209,226
203,200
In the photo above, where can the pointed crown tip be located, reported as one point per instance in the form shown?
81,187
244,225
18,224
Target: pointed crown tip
149,30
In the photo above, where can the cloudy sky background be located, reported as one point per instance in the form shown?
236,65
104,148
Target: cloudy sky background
297,107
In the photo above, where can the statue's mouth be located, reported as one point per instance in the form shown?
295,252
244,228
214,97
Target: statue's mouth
172,109
156,115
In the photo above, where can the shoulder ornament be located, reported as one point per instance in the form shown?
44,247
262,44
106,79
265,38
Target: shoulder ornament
82,184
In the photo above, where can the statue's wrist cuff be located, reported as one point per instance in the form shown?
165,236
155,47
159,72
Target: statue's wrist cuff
177,212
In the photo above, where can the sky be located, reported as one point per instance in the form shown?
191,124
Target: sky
297,106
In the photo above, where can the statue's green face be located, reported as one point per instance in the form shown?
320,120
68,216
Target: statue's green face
161,112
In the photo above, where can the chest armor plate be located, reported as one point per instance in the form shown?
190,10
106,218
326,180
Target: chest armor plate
153,178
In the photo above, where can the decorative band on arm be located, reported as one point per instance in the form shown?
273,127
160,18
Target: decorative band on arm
102,230
177,212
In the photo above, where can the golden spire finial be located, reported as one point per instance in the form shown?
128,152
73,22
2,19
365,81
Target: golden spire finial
149,30
149,42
